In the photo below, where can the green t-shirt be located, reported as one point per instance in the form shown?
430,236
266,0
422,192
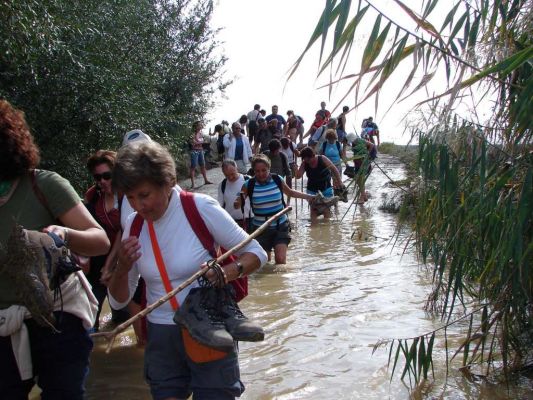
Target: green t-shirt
25,209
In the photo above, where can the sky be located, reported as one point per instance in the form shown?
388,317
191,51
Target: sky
263,39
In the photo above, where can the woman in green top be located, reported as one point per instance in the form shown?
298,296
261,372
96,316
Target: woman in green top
361,149
43,201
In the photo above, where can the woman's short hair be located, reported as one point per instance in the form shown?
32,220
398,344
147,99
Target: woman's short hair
307,152
260,158
148,161
101,157
285,142
331,134
228,163
18,151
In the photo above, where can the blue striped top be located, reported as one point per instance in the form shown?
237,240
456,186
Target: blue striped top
266,201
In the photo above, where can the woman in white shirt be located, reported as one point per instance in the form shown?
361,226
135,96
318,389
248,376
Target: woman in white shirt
238,148
146,175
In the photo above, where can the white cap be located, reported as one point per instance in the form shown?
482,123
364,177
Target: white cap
135,135
350,137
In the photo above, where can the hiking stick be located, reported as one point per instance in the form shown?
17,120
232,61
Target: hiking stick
111,335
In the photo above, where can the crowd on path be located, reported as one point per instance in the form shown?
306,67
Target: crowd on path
137,235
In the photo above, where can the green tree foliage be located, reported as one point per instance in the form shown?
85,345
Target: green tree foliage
86,72
474,217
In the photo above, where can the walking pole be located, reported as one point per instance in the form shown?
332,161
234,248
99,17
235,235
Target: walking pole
295,199
111,335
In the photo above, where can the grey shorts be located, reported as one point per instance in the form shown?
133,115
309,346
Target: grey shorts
171,373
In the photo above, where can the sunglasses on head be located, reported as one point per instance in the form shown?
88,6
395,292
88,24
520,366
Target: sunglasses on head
105,176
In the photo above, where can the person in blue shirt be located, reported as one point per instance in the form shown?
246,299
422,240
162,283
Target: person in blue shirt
238,148
275,115
333,149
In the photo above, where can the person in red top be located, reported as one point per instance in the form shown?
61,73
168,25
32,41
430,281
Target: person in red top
322,117
103,204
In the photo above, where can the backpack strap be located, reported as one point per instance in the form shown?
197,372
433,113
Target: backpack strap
339,148
250,187
136,226
223,185
277,179
324,147
161,265
197,223
246,178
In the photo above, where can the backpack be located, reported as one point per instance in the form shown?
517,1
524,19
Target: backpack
197,224
277,181
300,119
338,148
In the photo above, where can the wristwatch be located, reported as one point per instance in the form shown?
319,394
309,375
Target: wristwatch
240,269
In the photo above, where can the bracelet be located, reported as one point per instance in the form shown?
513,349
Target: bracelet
65,234
240,269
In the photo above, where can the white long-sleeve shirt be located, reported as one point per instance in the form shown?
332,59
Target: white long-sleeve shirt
230,143
182,251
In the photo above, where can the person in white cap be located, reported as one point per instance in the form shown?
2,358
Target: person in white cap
135,135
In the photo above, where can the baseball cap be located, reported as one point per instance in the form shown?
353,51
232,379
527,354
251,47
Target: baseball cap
135,135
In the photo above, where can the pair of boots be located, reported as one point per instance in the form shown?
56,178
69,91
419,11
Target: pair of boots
214,319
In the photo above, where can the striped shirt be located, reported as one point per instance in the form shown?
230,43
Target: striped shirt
266,201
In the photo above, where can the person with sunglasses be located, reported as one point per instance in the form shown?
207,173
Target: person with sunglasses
104,206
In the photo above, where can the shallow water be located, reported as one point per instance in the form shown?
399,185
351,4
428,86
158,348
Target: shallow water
322,313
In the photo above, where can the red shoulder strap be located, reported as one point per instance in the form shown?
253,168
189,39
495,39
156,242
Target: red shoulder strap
136,226
197,223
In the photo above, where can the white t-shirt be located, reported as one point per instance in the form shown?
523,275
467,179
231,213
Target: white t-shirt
253,115
227,199
182,251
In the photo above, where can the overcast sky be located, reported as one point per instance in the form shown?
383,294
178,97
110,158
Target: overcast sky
262,39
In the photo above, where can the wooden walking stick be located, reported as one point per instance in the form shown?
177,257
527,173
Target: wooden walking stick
111,335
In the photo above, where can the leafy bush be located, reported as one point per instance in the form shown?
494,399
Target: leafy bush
87,72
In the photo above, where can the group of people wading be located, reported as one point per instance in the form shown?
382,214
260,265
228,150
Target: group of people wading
137,236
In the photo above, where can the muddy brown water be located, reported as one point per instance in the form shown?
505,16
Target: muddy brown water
322,312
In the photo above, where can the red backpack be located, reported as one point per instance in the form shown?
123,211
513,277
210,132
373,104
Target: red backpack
200,229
